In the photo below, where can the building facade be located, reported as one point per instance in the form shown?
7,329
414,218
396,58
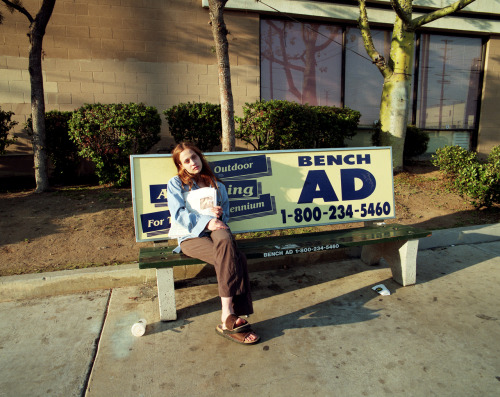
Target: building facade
161,53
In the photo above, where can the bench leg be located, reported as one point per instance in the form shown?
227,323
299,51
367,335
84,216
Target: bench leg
166,293
401,256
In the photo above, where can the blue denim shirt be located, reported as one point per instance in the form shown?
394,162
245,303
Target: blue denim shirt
196,224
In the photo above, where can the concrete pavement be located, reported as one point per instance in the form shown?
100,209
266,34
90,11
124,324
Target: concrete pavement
324,332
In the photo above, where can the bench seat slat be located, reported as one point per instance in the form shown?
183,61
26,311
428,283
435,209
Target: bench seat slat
148,252
158,257
344,238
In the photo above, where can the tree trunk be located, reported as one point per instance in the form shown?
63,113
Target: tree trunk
219,31
38,114
309,95
394,104
36,33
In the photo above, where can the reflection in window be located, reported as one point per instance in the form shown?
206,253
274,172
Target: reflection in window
301,62
449,76
363,80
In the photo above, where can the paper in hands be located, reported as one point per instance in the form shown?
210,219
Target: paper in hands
199,201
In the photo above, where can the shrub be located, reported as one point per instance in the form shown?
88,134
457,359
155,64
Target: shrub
277,124
480,181
61,150
6,124
416,140
451,159
335,125
109,134
494,157
199,123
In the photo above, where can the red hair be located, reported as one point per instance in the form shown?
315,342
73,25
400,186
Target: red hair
206,174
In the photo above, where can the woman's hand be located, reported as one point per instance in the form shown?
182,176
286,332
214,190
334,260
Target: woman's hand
216,224
217,211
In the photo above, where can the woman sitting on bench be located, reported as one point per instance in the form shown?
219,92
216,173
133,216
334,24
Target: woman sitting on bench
210,240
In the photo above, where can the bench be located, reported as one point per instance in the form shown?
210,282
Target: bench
396,244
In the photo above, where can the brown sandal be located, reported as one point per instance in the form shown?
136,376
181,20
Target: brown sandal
238,337
231,322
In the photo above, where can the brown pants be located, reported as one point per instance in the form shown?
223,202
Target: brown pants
230,263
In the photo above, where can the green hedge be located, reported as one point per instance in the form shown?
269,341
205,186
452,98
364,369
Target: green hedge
61,150
278,124
109,134
480,181
335,125
6,124
266,125
199,123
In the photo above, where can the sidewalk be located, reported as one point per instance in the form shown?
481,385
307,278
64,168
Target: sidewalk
324,332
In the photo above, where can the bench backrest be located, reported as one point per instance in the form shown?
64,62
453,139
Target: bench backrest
271,190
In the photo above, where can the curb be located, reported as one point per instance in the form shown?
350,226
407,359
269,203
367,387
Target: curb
29,286
40,285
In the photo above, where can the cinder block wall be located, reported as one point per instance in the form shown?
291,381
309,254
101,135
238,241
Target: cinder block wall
489,129
109,51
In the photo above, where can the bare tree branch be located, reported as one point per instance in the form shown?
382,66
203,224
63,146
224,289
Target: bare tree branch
280,62
424,19
401,13
16,5
377,58
329,41
287,64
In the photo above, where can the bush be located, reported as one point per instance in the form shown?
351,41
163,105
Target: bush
109,134
6,124
61,150
416,140
277,124
335,125
494,157
477,180
199,123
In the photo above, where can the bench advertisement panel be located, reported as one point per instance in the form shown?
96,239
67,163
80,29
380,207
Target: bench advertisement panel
271,190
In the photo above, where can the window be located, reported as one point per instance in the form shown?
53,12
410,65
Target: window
448,82
301,62
363,81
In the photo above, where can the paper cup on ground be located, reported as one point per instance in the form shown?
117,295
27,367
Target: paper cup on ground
139,328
